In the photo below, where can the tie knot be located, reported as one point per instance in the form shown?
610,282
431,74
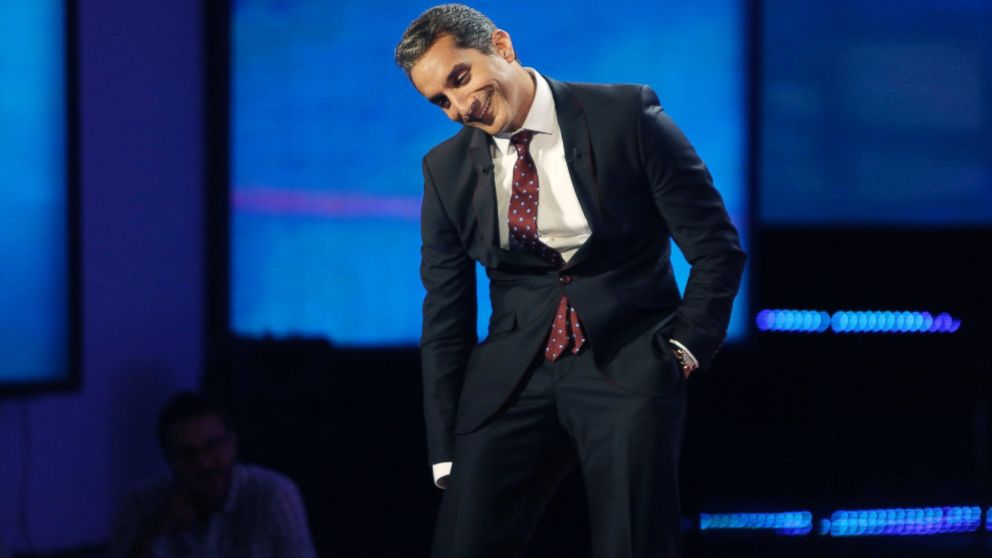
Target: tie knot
521,139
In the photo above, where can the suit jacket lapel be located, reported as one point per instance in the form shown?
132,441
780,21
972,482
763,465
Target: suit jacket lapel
484,197
580,159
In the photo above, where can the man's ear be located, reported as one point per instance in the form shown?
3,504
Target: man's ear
503,45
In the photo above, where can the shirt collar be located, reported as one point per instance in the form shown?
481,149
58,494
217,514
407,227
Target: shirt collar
541,117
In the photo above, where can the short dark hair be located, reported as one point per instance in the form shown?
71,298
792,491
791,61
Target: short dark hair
183,406
469,27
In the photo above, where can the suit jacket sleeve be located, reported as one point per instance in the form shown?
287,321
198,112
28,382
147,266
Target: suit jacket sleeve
448,333
694,212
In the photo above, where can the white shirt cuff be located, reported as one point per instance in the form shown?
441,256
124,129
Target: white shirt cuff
441,472
689,358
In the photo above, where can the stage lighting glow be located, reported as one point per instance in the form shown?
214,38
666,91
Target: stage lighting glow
783,523
855,321
905,521
804,321
893,322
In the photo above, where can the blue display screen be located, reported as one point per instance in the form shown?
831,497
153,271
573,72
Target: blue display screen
876,114
327,137
34,301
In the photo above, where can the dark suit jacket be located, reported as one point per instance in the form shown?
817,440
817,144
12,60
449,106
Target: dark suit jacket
639,182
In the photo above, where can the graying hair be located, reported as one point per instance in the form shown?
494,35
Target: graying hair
470,28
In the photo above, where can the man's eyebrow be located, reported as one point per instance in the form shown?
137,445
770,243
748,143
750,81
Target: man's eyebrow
451,80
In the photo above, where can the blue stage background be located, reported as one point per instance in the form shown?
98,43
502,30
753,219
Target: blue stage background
327,137
877,113
34,326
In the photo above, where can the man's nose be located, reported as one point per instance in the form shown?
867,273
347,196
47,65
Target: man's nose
462,105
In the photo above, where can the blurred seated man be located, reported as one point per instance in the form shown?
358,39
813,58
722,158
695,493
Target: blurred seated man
210,505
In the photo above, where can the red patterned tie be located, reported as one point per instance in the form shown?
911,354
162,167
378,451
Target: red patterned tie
522,219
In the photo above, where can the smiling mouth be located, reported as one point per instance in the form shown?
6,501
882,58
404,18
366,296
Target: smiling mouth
481,112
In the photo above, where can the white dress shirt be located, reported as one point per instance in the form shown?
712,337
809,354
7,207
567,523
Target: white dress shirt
561,224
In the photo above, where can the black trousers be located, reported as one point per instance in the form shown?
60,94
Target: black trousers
565,414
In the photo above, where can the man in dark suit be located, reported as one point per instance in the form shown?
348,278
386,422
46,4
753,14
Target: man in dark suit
567,194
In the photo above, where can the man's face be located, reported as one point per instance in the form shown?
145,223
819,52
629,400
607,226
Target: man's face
201,454
486,91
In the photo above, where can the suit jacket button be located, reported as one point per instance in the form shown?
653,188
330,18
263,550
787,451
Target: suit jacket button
565,279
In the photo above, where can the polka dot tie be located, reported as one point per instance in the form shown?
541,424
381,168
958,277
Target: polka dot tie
566,330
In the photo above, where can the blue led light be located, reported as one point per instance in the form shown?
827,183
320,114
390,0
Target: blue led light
805,321
905,521
783,523
850,321
857,523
